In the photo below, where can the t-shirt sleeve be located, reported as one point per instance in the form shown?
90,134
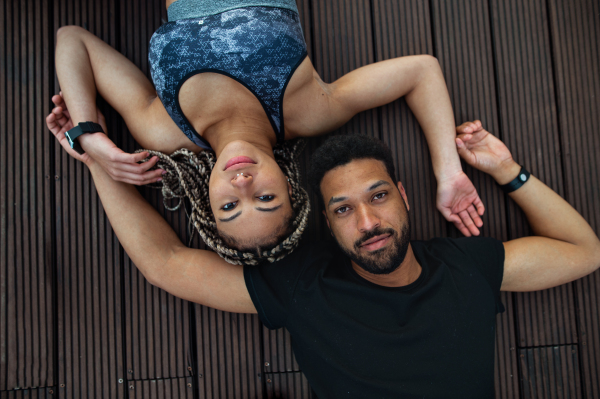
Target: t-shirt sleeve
487,256
271,286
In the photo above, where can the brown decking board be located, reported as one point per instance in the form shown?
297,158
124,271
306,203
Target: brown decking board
88,256
26,314
551,372
576,35
530,70
161,389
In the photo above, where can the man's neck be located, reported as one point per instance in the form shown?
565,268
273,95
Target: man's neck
407,273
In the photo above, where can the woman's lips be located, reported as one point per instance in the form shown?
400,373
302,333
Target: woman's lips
376,242
238,163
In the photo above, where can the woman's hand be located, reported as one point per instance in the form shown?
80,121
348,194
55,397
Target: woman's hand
120,165
59,122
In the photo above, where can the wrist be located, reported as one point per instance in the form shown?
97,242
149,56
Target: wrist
506,172
447,170
87,139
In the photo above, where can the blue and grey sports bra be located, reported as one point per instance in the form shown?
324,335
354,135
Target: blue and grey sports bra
259,46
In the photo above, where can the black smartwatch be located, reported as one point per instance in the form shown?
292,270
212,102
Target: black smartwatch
81,128
518,181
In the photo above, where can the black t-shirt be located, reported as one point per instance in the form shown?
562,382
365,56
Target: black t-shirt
431,339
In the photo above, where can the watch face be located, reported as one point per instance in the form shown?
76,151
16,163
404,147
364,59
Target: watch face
69,138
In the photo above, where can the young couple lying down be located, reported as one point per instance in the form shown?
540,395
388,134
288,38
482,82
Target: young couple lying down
232,85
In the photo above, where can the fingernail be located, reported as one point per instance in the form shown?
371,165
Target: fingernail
164,172
159,179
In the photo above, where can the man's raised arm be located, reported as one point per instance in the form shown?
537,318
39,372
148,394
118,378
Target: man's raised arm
192,274
564,247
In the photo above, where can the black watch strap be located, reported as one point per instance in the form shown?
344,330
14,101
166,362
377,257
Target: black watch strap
81,128
517,182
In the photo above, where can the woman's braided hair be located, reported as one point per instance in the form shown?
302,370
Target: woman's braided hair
188,175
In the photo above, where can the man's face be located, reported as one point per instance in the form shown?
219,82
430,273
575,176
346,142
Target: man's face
367,214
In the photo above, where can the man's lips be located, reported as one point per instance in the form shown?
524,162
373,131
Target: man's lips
375,242
238,163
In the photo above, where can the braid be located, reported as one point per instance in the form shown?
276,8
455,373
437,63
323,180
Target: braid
188,175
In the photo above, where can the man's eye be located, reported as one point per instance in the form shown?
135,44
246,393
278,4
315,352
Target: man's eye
341,210
266,198
229,206
379,196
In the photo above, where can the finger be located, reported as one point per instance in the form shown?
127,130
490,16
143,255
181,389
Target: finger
466,127
131,158
465,137
137,168
475,216
461,227
61,118
468,222
479,205
464,152
51,123
139,180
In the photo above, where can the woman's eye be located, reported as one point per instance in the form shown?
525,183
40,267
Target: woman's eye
229,206
266,198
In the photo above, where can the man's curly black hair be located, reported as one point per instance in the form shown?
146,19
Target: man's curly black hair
341,150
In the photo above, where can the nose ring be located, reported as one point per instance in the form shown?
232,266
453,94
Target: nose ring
239,174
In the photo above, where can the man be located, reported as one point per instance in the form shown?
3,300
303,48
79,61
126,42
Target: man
380,316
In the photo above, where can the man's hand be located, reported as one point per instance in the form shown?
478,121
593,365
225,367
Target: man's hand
484,151
457,200
120,165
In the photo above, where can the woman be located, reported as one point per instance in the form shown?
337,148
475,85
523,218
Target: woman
226,74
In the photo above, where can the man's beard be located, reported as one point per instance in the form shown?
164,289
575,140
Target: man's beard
384,260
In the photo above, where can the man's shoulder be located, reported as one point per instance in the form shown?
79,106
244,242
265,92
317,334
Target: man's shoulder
453,251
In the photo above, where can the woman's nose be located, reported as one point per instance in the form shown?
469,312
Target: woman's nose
241,180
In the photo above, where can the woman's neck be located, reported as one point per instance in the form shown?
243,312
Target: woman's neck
221,134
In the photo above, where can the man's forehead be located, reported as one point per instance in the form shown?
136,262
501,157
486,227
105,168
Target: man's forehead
357,175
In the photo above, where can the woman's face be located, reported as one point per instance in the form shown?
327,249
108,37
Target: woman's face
249,195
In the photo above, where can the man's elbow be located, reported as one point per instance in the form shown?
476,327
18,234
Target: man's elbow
596,256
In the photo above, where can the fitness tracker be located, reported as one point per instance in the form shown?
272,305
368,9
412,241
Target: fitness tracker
81,128
518,181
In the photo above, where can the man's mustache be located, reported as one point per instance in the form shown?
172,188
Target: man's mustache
374,233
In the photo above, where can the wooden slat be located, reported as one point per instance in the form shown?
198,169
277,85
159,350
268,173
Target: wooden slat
171,388
550,372
88,256
343,41
27,332
528,107
292,385
576,32
229,358
157,341
39,393
403,28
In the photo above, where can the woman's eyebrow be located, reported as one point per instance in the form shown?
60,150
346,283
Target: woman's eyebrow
231,217
269,209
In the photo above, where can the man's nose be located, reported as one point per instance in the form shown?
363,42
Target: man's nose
367,220
241,180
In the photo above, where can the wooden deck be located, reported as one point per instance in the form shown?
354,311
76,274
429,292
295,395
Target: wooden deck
77,320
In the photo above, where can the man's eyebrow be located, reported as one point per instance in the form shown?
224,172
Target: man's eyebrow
229,219
335,200
269,209
380,183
